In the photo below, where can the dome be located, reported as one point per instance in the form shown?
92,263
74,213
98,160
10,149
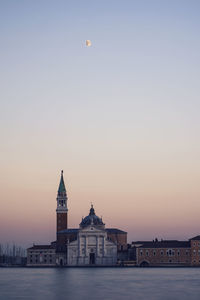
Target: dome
91,219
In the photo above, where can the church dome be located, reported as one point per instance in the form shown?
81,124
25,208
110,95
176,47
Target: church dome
91,219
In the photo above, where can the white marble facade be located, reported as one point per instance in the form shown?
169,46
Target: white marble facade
92,248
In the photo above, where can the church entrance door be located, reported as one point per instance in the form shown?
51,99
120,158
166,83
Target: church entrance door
92,258
61,262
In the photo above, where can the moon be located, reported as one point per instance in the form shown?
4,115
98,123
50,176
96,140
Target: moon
88,43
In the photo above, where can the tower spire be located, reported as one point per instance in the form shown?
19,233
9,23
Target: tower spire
61,188
61,205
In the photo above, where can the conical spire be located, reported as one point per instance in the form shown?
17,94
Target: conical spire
62,189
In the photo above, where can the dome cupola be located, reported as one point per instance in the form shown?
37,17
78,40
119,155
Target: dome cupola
92,219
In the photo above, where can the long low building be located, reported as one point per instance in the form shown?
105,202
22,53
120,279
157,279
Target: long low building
167,252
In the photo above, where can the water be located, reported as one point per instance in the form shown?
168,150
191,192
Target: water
100,283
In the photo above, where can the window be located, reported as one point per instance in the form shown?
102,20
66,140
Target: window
194,252
161,252
170,260
50,261
170,252
154,253
178,253
194,244
147,253
186,252
45,260
141,253
83,251
31,260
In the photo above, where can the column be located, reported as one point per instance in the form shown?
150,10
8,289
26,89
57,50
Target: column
79,245
86,245
97,246
104,244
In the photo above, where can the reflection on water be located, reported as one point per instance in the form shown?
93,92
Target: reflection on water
100,283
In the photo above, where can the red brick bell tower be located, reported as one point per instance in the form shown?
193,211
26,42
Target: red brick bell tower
61,210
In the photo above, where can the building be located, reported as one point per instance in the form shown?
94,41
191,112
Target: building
41,255
94,244
167,252
90,244
195,250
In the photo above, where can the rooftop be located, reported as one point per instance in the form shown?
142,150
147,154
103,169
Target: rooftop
42,247
162,244
115,230
70,230
91,219
197,238
109,230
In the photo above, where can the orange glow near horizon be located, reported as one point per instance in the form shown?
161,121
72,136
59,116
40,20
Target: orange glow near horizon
136,206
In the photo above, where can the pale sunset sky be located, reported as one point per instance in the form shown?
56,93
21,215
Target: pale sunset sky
121,118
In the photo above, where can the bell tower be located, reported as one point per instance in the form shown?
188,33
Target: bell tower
61,210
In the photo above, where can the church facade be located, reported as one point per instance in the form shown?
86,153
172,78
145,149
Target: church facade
90,244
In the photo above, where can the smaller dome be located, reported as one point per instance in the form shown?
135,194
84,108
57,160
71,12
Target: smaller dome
91,219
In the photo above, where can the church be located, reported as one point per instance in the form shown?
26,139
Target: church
93,244
90,244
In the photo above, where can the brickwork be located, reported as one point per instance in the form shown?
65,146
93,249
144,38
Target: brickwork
163,256
61,221
120,239
195,252
63,239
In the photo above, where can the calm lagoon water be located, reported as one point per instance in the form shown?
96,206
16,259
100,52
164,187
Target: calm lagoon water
100,283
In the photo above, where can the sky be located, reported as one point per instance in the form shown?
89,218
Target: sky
121,117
